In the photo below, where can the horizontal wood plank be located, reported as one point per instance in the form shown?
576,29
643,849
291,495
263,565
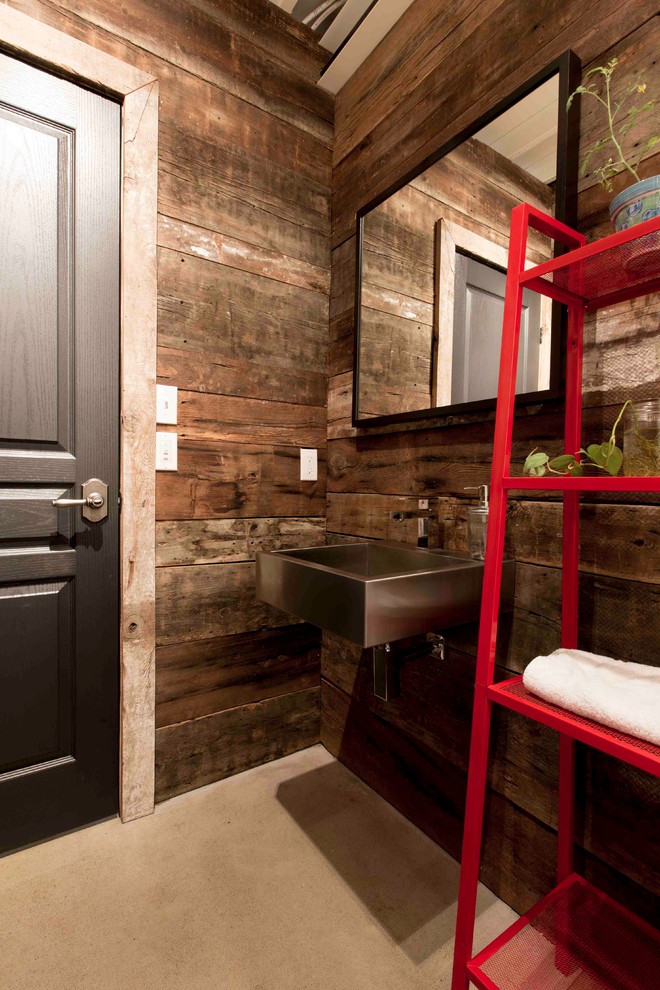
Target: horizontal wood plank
340,406
617,540
341,344
213,675
205,416
213,600
342,285
200,751
372,517
421,38
215,479
272,30
197,371
220,310
212,245
215,541
197,196
448,453
242,170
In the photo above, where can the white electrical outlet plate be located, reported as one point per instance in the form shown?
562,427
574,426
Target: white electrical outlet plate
166,446
166,396
309,469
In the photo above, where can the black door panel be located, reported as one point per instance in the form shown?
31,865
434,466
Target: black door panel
59,426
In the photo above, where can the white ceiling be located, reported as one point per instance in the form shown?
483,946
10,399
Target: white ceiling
527,133
344,23
382,16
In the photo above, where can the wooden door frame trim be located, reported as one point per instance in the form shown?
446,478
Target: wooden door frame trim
53,50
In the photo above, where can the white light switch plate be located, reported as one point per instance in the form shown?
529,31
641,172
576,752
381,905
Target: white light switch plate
166,446
309,469
166,396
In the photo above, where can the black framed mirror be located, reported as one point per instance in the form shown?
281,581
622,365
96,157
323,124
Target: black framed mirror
431,255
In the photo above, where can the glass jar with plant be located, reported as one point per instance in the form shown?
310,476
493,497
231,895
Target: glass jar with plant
641,448
641,439
606,157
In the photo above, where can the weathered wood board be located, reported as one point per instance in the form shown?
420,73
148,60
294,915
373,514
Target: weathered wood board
216,541
203,601
217,479
199,751
214,675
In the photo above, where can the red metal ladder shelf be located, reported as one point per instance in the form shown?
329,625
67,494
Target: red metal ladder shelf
576,936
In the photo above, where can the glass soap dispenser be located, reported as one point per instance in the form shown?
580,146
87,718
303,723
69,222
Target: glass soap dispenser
477,523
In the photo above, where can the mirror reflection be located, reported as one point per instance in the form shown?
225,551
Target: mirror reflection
433,265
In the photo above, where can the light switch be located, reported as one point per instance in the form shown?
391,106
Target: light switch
166,396
309,470
166,445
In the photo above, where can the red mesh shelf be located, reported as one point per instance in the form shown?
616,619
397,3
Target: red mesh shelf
513,694
600,483
615,268
576,938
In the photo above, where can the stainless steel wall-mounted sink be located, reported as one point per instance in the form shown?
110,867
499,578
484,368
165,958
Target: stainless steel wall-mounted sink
373,593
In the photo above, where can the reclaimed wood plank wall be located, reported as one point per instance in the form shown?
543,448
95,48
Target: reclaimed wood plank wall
244,275
439,69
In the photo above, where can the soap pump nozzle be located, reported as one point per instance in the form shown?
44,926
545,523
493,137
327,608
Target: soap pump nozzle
483,494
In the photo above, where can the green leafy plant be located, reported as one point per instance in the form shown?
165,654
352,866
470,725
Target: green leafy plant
622,116
599,456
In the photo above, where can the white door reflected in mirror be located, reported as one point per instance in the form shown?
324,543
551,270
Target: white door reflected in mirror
478,313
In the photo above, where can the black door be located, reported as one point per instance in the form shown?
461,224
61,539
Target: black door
59,427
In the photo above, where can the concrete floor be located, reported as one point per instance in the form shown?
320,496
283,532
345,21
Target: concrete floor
292,876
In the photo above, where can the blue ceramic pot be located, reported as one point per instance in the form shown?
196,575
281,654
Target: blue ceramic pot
635,204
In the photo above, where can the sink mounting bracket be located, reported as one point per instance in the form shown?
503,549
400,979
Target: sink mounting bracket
386,673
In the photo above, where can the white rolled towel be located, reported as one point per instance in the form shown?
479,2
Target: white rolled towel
616,693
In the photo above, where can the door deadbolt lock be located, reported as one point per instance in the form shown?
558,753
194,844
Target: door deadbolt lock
94,500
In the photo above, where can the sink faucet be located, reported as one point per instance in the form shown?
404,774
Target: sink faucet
422,514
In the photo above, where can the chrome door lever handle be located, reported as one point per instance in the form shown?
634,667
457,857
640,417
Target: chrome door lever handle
94,500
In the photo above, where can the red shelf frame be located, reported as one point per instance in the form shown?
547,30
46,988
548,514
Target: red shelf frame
639,753
599,270
550,483
596,273
570,955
